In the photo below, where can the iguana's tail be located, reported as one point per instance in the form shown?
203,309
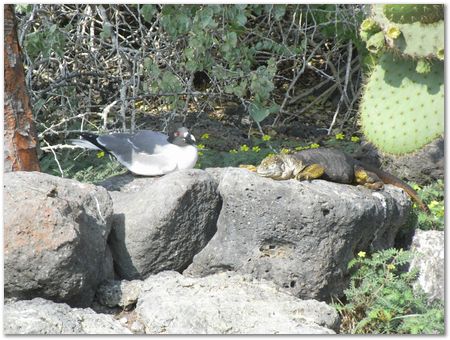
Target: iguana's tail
391,179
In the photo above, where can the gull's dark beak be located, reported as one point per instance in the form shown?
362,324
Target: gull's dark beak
190,139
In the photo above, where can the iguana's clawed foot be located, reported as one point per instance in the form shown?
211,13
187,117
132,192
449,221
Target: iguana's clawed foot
374,186
368,179
312,171
249,167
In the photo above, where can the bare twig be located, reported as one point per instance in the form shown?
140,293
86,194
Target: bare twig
55,157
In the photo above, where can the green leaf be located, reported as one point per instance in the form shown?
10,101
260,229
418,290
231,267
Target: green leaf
106,31
237,90
170,82
241,18
231,39
152,68
259,112
278,11
261,83
205,17
23,9
34,43
52,29
38,105
183,23
192,65
148,11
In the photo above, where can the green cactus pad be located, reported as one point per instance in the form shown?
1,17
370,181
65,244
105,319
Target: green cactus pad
375,43
402,110
368,28
417,40
408,14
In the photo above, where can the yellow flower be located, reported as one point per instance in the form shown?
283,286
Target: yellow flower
244,148
362,254
266,138
416,186
368,24
200,146
299,148
285,151
314,146
340,136
200,153
256,149
205,136
100,154
233,151
384,315
433,204
439,212
390,266
393,32
138,104
355,139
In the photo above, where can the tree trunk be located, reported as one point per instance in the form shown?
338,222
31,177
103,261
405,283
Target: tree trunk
20,140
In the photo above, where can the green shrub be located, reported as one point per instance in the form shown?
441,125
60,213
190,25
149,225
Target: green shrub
166,60
433,195
381,300
84,166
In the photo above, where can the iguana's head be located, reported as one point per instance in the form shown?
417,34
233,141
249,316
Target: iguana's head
278,167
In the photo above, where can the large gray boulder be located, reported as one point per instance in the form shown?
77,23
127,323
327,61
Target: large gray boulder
301,235
227,303
56,234
161,223
39,316
429,260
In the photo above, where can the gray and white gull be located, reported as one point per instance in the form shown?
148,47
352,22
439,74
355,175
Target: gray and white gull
146,152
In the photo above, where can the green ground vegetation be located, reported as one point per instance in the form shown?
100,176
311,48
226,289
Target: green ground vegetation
381,299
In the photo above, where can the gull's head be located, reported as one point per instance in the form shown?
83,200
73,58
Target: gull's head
182,136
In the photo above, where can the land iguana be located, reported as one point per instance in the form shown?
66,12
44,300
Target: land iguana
331,165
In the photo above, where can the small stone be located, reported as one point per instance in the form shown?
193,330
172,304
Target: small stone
119,293
137,327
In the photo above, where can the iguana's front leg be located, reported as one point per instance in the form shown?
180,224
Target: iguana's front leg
368,179
310,172
249,167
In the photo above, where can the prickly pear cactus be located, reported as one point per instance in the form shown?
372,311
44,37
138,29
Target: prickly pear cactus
403,110
402,107
418,39
407,14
